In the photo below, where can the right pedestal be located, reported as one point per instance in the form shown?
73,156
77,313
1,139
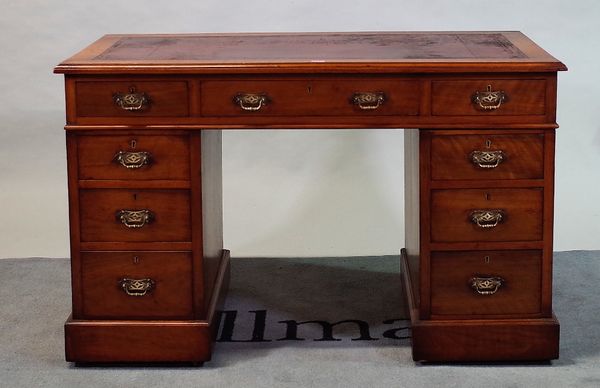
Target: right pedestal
478,260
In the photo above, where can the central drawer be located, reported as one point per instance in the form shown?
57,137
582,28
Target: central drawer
463,215
486,282
116,215
316,97
136,284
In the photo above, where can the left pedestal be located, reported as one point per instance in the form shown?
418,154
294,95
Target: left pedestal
147,260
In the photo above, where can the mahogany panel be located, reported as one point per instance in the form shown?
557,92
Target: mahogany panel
452,294
455,97
522,157
310,96
103,297
169,157
170,208
522,214
166,98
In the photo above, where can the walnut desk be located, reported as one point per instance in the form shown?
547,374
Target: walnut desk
144,119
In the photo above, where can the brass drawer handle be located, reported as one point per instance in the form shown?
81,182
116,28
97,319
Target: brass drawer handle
488,285
489,100
251,101
129,159
136,287
368,100
486,218
135,218
131,101
487,159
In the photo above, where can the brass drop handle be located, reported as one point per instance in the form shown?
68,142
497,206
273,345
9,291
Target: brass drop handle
132,101
368,100
133,160
489,100
134,218
137,287
487,218
486,285
251,101
487,159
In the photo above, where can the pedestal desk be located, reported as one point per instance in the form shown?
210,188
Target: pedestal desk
144,121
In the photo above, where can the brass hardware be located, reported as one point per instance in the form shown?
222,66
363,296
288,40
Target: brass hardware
131,101
486,285
368,100
489,100
251,101
487,159
129,159
135,218
136,287
486,218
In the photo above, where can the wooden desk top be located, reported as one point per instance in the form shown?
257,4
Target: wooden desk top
373,52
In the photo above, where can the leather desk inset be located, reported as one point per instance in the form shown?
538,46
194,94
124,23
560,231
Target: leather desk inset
144,121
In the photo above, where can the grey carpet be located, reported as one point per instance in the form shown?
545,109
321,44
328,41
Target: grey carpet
34,296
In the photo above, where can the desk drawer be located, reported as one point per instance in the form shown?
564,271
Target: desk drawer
488,97
132,98
136,284
487,157
486,215
134,157
486,283
120,215
320,97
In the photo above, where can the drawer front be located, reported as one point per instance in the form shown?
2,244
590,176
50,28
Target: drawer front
487,157
135,215
333,97
136,284
486,215
132,98
474,98
486,282
134,157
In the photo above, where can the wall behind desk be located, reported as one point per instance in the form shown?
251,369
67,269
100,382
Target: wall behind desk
286,193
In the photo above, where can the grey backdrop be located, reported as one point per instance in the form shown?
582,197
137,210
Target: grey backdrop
287,193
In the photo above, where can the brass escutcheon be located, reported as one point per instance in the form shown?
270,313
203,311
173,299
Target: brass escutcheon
486,285
487,218
131,101
487,159
134,218
136,287
251,101
368,100
133,160
489,100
